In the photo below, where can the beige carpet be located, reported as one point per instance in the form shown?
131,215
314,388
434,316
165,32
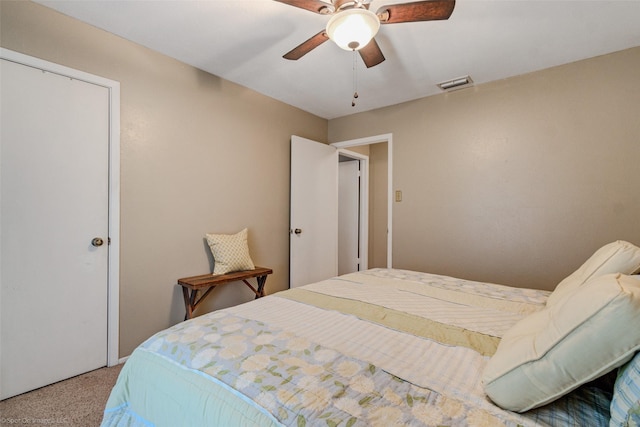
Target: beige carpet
78,401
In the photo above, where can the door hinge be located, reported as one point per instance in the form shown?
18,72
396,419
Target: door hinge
108,240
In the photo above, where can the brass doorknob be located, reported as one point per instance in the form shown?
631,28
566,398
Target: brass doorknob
97,241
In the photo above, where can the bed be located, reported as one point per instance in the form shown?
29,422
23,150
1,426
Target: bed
389,347
381,347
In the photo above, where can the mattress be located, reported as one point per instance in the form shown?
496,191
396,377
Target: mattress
381,347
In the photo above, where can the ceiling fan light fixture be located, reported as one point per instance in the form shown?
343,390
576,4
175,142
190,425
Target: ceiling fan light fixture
353,29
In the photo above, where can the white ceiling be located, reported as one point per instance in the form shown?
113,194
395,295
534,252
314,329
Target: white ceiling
243,41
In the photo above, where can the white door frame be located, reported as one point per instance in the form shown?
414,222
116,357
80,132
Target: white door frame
388,138
113,279
364,204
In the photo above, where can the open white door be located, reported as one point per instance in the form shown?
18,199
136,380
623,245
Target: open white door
313,251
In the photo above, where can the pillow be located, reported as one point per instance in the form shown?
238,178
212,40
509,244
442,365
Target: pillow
553,351
230,252
617,257
625,405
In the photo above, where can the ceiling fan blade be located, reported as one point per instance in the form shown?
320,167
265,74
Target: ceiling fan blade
428,10
316,6
371,54
307,46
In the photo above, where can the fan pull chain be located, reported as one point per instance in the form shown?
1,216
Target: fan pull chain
355,79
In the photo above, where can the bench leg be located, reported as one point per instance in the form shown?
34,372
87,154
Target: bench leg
259,291
190,302
261,281
188,305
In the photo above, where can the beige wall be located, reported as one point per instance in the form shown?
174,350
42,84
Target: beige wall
198,154
516,181
378,203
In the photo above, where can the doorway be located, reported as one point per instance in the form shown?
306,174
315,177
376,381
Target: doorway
353,212
313,222
380,187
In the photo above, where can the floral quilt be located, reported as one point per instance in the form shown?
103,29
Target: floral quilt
360,350
301,382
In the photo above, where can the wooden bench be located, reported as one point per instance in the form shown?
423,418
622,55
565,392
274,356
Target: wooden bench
208,282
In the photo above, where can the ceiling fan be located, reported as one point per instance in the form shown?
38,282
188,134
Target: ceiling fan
353,26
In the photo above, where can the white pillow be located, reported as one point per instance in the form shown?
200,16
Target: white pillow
617,257
553,351
230,252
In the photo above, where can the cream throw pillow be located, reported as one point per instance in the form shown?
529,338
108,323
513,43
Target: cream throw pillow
617,257
230,252
553,351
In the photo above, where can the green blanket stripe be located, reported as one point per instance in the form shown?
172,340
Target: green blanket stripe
451,295
172,395
398,320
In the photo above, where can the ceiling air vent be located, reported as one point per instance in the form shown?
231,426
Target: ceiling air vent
455,84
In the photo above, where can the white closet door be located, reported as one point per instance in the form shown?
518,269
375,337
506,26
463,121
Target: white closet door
349,217
54,201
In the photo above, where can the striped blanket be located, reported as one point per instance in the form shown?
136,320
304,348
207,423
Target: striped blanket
381,347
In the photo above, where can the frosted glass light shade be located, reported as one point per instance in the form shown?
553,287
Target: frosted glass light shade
353,29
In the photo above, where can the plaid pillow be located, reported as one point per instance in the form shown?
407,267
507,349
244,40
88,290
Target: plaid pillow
625,405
